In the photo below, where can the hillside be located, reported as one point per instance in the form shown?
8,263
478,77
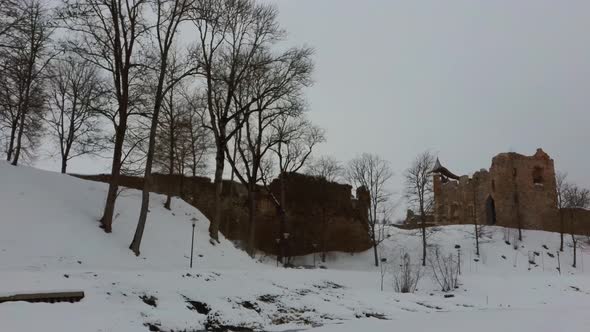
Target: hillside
50,240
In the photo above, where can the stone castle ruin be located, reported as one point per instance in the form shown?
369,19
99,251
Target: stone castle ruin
321,216
516,190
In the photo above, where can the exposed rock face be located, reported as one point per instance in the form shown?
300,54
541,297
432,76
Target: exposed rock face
517,189
321,215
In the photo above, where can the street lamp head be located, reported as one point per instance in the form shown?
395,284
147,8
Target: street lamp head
194,220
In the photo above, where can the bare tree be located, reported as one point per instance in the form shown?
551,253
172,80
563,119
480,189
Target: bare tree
276,88
11,14
231,34
295,138
561,187
76,94
575,197
445,270
405,280
183,142
109,34
372,173
169,15
326,167
25,58
419,192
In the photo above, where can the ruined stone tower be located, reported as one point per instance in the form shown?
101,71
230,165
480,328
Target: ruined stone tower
517,189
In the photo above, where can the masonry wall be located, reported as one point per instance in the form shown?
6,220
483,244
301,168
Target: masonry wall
321,215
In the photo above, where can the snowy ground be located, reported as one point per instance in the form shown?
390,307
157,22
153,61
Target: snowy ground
50,240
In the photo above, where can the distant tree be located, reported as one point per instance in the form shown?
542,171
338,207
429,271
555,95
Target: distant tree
561,187
372,173
295,138
11,15
183,143
25,56
326,167
575,197
75,98
419,192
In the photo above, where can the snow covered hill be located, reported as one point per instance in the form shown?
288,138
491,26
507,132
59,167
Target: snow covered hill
50,240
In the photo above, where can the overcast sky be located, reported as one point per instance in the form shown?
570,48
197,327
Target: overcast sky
465,79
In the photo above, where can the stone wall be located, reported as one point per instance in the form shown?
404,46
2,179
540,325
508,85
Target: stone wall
517,189
321,215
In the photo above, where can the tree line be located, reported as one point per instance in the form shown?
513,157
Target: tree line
169,86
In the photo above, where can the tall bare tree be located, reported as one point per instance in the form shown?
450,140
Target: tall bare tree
231,34
75,99
169,15
561,187
109,34
275,86
372,173
575,197
183,143
295,138
25,57
419,191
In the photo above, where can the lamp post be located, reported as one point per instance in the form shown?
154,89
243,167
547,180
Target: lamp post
193,241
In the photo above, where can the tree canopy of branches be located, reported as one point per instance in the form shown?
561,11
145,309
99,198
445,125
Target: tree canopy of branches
372,173
109,34
419,192
326,167
25,55
75,98
232,35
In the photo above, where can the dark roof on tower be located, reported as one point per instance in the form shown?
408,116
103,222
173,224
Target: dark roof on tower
440,169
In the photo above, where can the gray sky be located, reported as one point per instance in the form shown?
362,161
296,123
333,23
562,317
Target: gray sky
465,79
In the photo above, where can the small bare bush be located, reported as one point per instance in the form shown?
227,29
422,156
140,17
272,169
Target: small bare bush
405,280
445,270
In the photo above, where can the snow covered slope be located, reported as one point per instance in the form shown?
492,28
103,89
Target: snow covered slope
50,240
50,222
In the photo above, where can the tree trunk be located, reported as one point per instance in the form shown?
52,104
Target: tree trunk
252,221
109,209
283,217
423,220
21,129
64,164
11,143
375,251
573,232
168,203
561,230
575,251
147,178
219,164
